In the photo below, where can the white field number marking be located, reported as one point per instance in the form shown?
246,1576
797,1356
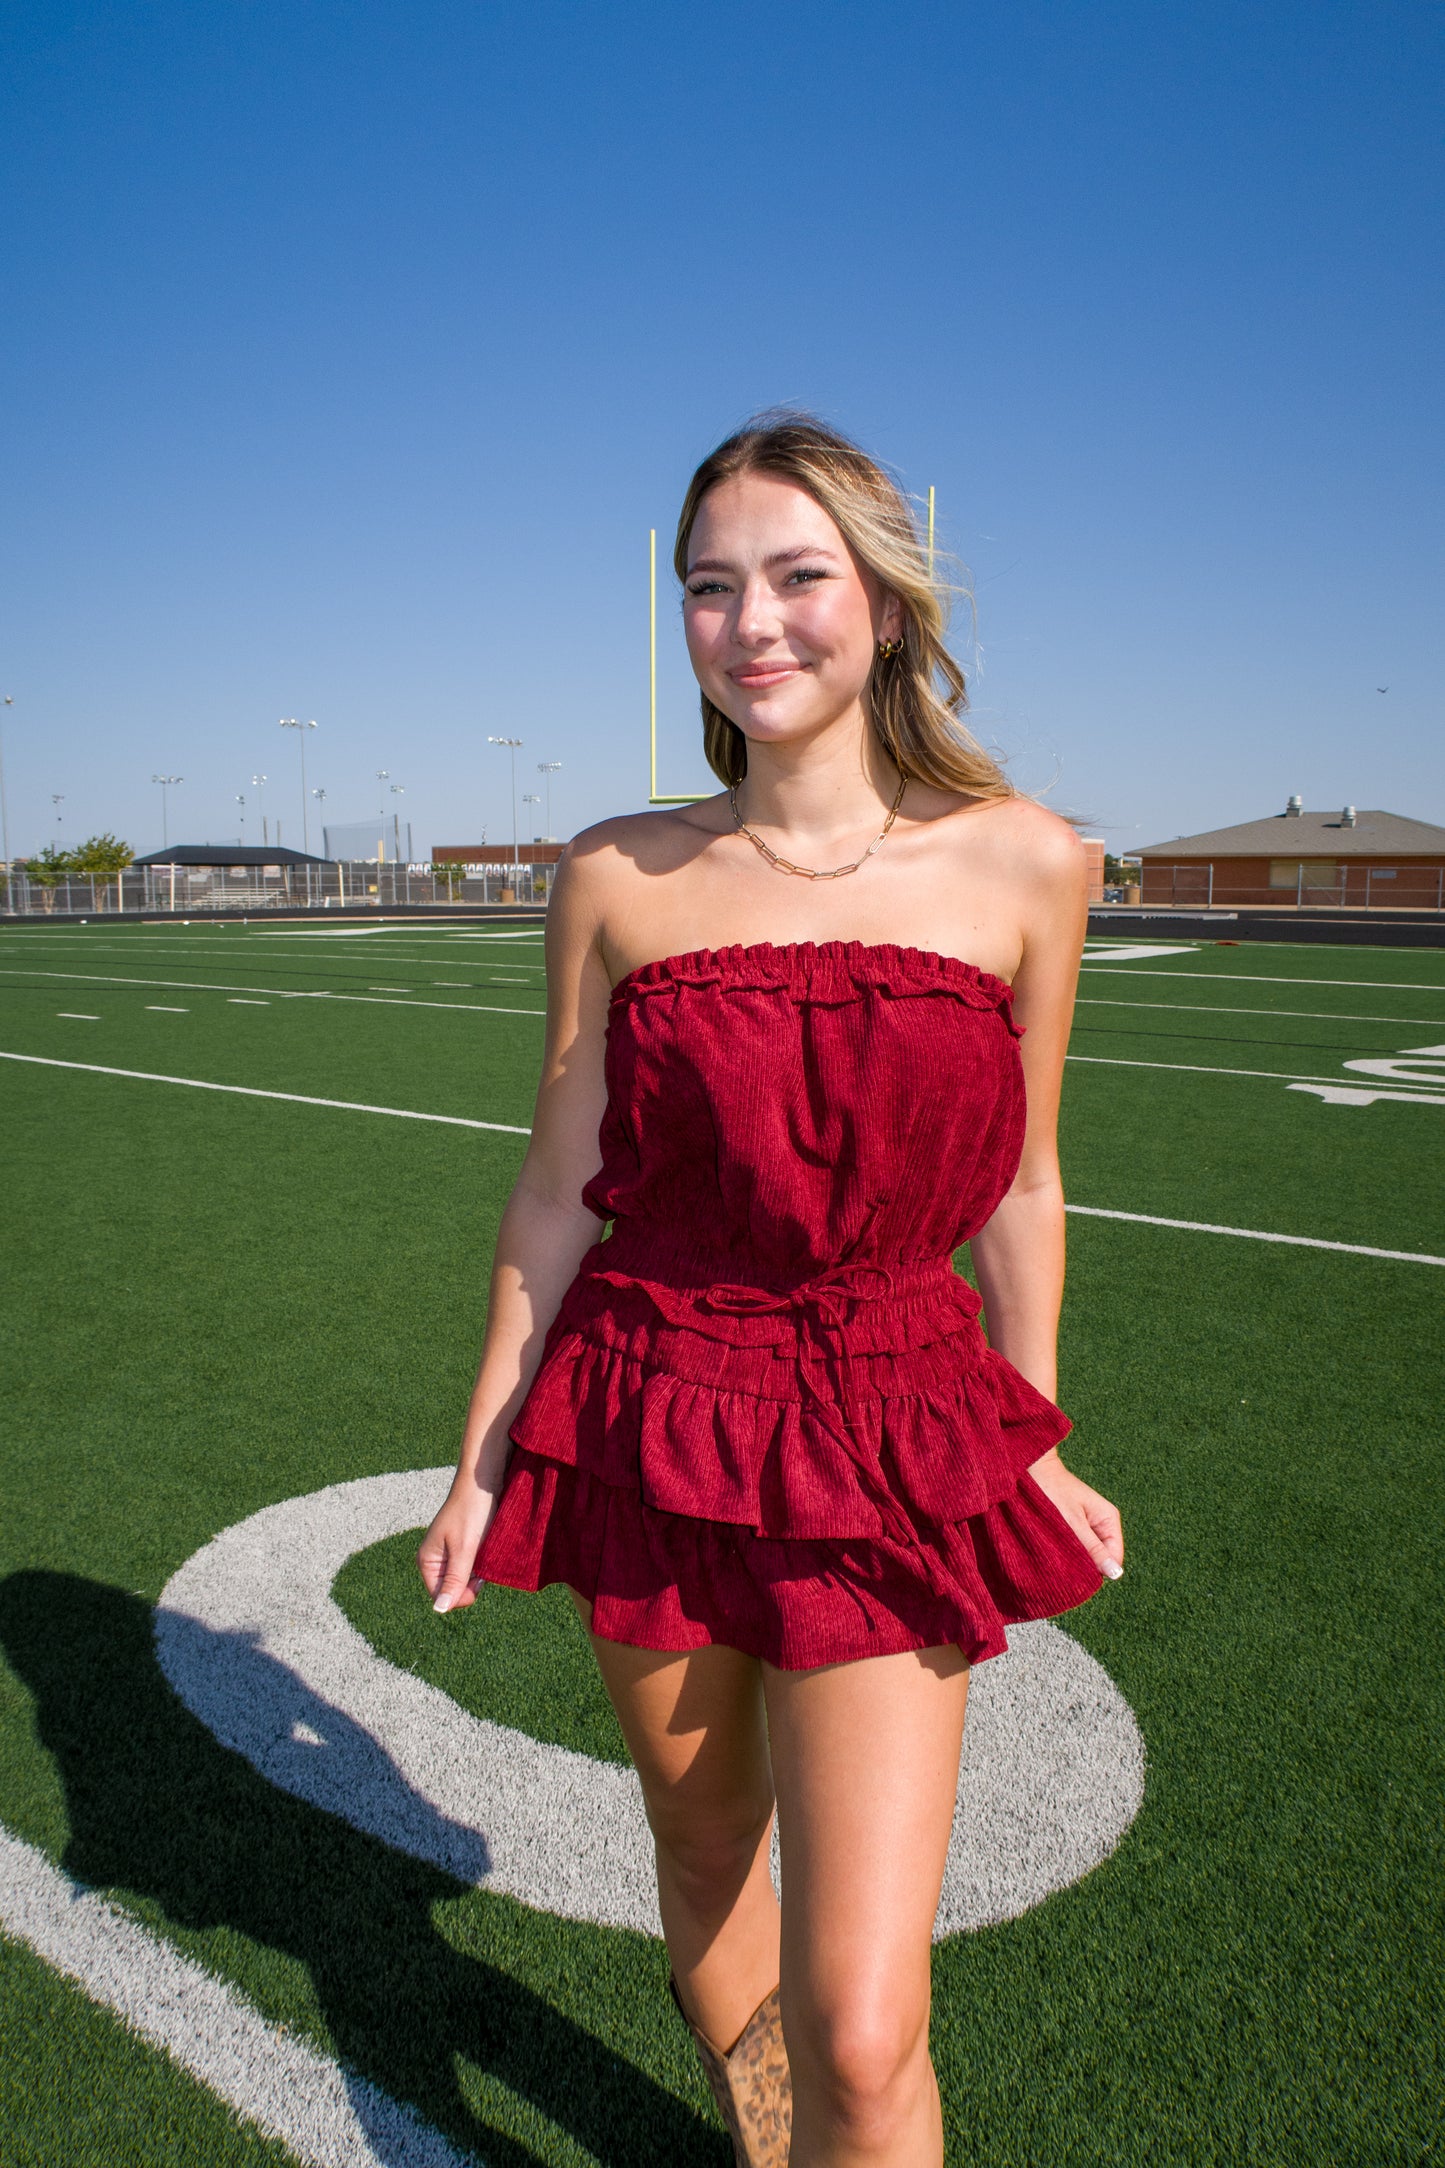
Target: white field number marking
1413,1066
1135,952
251,1638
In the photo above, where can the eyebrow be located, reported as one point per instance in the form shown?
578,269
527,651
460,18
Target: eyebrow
779,557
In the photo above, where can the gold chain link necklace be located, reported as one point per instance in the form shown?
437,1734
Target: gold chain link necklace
815,873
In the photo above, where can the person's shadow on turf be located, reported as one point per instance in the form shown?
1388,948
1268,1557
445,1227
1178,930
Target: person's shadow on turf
157,1807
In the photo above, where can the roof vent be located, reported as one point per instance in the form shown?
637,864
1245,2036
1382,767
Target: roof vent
1347,818
1296,805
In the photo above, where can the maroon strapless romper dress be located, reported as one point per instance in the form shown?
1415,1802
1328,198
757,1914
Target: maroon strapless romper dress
765,1413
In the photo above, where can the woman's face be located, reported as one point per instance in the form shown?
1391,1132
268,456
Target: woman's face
782,620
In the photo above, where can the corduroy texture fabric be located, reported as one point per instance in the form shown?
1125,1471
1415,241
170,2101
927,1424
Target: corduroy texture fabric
765,1413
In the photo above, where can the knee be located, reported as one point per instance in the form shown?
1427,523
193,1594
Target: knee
862,2064
708,1853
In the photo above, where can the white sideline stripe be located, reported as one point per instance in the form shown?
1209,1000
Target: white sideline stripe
1204,1068
282,993
253,1091
1262,978
329,2117
1209,1008
1257,1234
459,1121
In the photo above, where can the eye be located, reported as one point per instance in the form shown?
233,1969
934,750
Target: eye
807,575
706,587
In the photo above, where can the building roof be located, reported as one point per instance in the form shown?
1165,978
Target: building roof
1310,835
228,854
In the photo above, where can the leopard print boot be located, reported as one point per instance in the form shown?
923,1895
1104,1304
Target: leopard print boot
751,2084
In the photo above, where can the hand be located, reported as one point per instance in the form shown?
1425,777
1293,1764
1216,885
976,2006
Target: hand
1094,1521
448,1551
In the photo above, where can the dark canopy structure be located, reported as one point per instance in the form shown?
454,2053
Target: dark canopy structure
229,854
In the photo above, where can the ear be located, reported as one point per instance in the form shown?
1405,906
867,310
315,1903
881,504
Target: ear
890,625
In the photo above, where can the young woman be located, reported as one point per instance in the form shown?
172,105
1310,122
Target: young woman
813,1030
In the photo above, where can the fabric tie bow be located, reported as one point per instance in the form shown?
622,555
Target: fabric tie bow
820,1301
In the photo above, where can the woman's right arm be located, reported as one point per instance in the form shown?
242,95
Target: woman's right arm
545,1230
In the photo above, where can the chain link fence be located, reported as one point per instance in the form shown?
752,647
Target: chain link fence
1298,886
254,890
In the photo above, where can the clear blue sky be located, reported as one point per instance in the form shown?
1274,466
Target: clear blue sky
349,351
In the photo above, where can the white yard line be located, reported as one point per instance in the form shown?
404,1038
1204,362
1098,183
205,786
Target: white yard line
458,1121
1210,1008
1257,1234
281,993
1204,1068
252,1091
1260,978
209,951
290,2091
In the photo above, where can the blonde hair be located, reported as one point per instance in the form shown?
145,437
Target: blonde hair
915,697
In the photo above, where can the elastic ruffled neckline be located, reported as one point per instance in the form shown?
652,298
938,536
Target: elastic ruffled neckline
895,965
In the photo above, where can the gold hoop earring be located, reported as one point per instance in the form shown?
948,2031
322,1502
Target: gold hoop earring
887,649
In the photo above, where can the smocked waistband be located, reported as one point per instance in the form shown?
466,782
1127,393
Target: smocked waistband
731,1281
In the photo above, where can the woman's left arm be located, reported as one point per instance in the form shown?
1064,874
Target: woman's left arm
1019,1255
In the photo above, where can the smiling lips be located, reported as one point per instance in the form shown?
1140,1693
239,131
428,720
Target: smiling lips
754,676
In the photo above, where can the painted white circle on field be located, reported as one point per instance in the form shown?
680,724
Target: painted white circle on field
250,1637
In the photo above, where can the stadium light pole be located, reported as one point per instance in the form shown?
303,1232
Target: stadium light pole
514,744
398,790
289,722
258,784
165,782
5,825
532,797
241,802
547,769
382,775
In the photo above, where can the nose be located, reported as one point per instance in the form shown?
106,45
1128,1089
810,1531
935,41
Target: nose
759,618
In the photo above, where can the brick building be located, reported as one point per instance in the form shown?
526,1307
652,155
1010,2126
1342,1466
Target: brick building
495,854
1298,857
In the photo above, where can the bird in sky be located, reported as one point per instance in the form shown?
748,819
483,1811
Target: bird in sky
1382,688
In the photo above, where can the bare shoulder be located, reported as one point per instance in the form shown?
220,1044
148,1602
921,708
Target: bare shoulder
606,867
1015,841
1039,843
649,842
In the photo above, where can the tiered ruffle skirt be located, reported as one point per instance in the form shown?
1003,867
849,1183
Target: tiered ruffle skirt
812,1474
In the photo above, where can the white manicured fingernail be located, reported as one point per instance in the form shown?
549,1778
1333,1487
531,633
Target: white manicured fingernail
1112,1568
443,1603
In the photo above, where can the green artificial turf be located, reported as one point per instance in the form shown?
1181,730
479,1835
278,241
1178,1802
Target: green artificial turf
211,1303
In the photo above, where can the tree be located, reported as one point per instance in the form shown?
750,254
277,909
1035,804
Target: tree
48,869
102,855
103,858
453,873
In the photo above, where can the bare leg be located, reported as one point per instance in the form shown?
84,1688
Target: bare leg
696,1729
865,1757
